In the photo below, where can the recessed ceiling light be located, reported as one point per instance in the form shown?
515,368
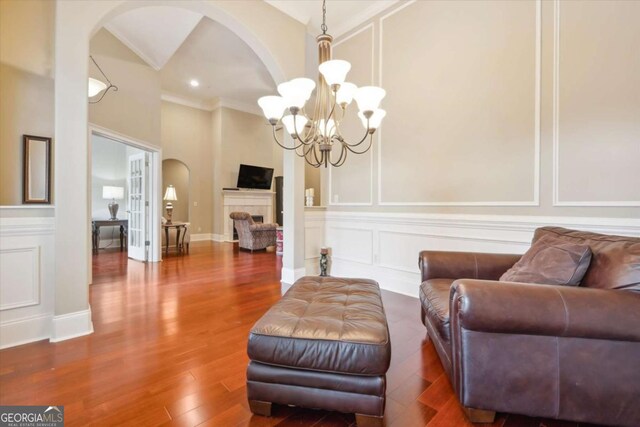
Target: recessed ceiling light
194,83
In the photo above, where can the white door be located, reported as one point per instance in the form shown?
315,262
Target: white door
138,206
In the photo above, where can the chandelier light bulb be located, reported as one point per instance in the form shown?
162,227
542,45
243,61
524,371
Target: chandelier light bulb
369,97
95,87
300,122
296,92
272,107
334,71
345,93
374,120
329,130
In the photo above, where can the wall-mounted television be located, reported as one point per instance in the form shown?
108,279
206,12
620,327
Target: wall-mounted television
254,177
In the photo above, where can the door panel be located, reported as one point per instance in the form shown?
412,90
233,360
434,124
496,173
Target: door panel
138,206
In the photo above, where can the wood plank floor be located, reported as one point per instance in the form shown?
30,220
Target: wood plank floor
169,348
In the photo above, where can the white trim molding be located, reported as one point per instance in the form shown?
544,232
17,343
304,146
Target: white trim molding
371,162
536,136
385,246
71,325
556,127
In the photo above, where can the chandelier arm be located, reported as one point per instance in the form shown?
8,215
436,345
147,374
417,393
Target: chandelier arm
364,138
307,139
111,86
275,137
344,159
361,152
316,163
341,159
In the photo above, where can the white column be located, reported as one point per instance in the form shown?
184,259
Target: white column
293,206
72,254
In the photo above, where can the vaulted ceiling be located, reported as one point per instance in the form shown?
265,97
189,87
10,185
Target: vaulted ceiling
184,45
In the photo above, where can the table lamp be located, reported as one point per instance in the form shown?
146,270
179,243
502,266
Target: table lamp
170,196
113,193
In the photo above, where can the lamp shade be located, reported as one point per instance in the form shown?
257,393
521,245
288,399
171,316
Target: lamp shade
272,107
369,97
95,87
334,71
300,122
375,120
345,93
296,92
112,192
170,194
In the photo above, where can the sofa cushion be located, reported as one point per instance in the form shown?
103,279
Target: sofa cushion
551,261
615,262
434,296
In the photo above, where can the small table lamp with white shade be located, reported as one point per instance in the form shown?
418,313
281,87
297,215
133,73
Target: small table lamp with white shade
170,196
113,193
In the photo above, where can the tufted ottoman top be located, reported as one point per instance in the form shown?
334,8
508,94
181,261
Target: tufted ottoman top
325,324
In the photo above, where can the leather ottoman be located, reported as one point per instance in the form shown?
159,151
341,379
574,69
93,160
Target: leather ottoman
324,345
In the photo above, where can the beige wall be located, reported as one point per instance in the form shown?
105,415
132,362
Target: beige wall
186,136
470,109
26,107
134,110
26,86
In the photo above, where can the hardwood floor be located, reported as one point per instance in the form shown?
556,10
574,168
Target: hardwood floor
170,348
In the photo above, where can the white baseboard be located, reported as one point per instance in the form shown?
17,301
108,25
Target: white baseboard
289,275
71,325
218,237
201,237
23,331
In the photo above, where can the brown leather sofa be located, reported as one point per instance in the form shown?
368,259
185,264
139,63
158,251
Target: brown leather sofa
559,352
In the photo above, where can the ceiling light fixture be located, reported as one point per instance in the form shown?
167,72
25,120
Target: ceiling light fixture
315,136
96,86
194,83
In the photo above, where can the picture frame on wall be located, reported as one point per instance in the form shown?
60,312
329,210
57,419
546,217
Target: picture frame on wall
36,170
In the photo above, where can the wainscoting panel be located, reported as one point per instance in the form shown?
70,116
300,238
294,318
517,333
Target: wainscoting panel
26,279
385,246
314,229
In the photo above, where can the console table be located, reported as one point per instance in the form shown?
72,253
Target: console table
181,227
95,231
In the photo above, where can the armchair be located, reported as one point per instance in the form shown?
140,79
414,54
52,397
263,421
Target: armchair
253,236
549,351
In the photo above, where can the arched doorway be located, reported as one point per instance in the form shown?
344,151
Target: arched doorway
282,52
176,174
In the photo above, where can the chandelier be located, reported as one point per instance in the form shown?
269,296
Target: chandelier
315,136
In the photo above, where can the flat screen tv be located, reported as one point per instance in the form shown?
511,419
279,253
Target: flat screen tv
254,177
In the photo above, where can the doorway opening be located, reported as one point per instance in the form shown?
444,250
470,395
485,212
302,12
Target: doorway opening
125,194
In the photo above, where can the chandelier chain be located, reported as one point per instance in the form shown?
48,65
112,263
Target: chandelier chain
323,27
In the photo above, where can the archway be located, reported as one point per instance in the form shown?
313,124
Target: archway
282,52
176,174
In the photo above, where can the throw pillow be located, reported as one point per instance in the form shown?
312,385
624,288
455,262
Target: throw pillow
551,261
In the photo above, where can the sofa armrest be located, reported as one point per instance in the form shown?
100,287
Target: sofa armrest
456,265
263,227
532,309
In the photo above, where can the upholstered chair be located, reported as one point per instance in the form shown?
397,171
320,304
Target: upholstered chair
253,236
185,237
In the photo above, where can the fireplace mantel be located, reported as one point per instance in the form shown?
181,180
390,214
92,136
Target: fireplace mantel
256,202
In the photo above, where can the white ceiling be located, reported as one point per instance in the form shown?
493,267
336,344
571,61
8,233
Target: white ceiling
154,33
342,15
225,66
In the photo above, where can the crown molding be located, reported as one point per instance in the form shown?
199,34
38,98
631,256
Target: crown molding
236,105
193,103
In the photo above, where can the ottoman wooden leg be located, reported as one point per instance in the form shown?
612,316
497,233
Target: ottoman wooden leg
260,408
368,421
479,415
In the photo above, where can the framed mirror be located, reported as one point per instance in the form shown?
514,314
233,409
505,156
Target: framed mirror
36,170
